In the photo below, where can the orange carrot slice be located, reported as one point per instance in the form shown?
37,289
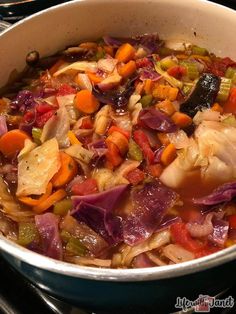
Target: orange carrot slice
67,171
12,142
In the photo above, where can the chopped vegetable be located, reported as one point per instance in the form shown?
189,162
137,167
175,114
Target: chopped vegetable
50,201
146,100
86,102
62,207
75,247
141,139
203,95
181,119
66,172
166,106
127,69
196,50
134,152
12,142
224,90
125,53
168,154
27,233
191,68
37,168
36,134
231,74
165,92
230,105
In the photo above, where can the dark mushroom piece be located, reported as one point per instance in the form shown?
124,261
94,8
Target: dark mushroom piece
203,96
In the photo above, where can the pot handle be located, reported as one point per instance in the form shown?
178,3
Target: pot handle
4,25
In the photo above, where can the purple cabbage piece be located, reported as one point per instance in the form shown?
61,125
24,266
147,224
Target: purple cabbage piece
148,73
112,41
150,205
106,199
158,153
119,99
156,120
3,125
167,221
220,231
101,221
24,100
99,147
223,193
149,41
47,225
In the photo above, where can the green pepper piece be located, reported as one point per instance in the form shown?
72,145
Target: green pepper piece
75,247
36,134
134,152
146,100
61,208
27,233
199,51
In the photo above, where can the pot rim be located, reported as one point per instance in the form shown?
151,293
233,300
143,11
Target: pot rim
108,274
22,254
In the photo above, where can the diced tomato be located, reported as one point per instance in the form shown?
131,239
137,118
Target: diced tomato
117,129
43,108
206,250
135,176
87,123
42,119
29,116
181,236
232,221
65,89
155,170
143,62
177,71
230,105
142,140
88,186
219,66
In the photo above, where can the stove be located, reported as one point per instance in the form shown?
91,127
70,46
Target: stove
18,295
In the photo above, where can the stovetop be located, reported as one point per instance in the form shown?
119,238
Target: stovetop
18,295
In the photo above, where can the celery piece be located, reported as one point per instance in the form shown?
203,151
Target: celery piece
65,236
75,247
61,208
164,51
170,79
231,73
230,120
146,100
167,63
187,88
199,51
36,134
192,70
224,90
134,152
27,233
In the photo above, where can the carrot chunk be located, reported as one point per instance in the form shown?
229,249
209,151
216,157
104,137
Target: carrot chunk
125,53
127,69
67,171
51,200
168,154
86,102
181,119
12,142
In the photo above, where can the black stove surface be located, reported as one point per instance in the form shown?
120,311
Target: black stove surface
17,295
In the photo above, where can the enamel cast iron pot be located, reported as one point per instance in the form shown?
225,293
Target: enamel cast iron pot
197,21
